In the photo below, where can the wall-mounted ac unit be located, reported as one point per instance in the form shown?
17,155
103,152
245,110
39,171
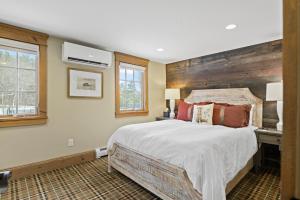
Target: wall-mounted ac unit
74,53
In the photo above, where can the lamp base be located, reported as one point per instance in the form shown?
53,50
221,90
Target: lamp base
279,113
279,126
172,115
172,107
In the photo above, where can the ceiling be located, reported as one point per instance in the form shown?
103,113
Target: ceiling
183,28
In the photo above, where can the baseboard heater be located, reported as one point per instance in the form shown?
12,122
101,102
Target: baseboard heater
100,152
4,176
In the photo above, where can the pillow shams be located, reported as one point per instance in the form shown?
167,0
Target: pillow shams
203,114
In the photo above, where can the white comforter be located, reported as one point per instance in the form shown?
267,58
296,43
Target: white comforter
211,155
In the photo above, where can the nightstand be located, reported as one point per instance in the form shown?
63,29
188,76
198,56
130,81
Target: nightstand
266,136
162,118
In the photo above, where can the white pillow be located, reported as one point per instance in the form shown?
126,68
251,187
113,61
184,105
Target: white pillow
203,114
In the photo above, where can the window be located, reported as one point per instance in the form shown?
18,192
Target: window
18,78
23,91
131,85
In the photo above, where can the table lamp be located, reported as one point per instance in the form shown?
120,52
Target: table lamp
275,93
172,94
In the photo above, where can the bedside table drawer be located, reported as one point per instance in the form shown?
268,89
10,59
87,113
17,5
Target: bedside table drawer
270,139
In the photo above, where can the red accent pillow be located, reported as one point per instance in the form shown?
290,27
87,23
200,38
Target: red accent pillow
234,116
218,113
217,116
185,111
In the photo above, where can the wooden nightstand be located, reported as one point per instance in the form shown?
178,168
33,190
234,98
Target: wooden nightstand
162,118
266,136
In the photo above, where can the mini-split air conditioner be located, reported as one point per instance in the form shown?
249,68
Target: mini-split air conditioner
78,54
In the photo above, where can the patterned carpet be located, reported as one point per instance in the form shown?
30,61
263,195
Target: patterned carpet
92,181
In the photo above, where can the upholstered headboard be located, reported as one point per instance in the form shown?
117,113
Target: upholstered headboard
237,96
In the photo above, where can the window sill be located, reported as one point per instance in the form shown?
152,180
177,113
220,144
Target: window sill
131,114
22,121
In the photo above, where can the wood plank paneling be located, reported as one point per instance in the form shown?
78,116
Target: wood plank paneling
251,67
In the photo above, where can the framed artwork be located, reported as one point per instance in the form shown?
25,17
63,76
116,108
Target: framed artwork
85,83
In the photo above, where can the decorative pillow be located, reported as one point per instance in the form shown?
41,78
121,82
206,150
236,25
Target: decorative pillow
203,113
235,116
218,114
185,111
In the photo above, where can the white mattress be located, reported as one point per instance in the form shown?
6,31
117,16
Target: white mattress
211,155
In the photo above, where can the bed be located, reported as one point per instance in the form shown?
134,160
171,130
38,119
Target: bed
155,154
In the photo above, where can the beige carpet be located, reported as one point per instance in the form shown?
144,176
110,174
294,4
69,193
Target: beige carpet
92,181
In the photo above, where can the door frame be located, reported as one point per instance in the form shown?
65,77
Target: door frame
290,173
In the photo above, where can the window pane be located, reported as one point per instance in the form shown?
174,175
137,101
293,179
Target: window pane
138,101
130,93
138,75
138,105
131,87
122,95
129,74
138,96
27,60
18,80
27,103
138,87
27,80
8,103
8,58
122,74
8,79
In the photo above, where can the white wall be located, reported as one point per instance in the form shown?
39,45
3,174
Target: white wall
90,122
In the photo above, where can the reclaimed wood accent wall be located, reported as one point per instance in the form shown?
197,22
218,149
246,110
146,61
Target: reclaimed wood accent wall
251,67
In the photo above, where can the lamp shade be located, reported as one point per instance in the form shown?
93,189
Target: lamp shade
274,91
172,94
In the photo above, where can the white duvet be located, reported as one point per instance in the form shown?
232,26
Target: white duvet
211,155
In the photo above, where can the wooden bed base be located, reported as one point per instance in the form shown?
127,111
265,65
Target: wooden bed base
167,181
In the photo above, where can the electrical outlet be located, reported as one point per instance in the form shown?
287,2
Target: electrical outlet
70,142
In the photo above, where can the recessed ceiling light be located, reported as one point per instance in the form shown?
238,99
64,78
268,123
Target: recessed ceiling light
231,26
91,56
160,49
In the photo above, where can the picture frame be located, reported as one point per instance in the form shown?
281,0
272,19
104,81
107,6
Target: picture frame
85,83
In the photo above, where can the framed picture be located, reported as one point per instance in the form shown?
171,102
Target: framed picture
85,83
